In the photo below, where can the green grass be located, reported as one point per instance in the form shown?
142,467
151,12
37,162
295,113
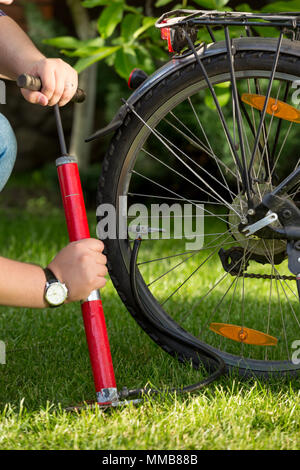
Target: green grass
48,369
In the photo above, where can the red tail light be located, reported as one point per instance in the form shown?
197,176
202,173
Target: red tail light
166,35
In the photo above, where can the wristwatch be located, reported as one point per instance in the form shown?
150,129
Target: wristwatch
55,291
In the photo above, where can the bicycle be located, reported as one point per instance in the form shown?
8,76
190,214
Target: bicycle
241,183
237,295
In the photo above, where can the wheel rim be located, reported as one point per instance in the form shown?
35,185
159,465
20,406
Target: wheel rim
276,293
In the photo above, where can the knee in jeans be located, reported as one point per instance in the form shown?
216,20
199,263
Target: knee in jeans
8,150
7,136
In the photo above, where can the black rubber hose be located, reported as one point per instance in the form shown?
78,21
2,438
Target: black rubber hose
221,367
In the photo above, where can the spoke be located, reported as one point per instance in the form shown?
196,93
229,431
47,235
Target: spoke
237,114
263,137
262,119
213,287
217,159
253,129
196,201
165,257
252,109
199,145
243,312
270,297
186,259
281,314
179,158
176,194
218,282
231,302
187,179
279,125
219,109
282,146
287,298
233,195
189,277
266,147
194,236
208,247
249,152
296,191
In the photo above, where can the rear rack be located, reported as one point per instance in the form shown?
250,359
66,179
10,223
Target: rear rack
179,27
198,18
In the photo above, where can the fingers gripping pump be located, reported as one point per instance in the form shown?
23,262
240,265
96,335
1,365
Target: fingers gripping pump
92,310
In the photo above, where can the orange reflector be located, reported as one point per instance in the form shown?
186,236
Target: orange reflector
278,108
243,334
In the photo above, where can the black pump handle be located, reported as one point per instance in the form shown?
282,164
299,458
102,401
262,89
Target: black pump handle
29,82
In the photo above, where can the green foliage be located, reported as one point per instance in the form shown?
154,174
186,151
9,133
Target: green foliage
212,4
128,38
281,7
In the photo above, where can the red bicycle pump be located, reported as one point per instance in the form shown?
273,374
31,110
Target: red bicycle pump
78,229
92,309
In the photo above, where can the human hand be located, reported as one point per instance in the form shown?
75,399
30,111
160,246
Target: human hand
81,265
59,80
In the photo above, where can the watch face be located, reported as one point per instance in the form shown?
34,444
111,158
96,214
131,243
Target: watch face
56,294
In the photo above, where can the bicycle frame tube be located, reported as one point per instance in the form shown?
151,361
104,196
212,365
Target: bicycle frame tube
92,310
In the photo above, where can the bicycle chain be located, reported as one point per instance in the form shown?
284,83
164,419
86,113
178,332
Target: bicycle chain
268,276
235,268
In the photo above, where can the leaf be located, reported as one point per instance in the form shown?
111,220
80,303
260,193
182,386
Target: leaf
83,52
134,10
67,42
110,18
221,3
282,7
245,7
144,58
212,4
86,62
148,23
125,62
162,3
129,26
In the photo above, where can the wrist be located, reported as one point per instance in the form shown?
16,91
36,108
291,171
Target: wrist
29,64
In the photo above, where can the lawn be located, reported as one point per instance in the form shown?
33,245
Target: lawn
48,369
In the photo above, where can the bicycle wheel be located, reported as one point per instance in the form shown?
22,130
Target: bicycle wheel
230,292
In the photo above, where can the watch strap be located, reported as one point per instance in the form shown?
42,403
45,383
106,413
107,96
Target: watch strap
50,276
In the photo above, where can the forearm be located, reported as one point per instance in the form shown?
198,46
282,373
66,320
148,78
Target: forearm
17,50
21,284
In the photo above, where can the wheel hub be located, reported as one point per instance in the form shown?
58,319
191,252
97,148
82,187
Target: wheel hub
259,247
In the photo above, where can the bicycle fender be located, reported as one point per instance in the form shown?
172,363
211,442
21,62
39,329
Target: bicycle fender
288,47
